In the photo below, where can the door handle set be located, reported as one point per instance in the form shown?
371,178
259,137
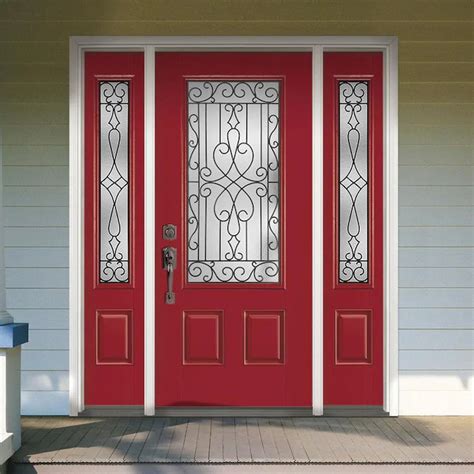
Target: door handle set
169,264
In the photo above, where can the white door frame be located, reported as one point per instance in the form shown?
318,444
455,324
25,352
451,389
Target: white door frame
388,45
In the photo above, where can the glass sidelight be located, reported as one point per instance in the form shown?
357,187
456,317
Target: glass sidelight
353,182
114,182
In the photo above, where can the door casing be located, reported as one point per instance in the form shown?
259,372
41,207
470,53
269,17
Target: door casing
150,45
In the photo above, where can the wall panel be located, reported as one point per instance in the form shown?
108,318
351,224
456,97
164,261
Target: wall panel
415,215
44,402
45,360
45,380
436,318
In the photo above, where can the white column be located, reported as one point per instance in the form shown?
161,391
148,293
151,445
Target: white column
149,402
10,426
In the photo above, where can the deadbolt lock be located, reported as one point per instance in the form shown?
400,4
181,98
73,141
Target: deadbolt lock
169,232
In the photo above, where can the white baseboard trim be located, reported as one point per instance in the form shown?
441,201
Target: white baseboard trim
6,447
436,403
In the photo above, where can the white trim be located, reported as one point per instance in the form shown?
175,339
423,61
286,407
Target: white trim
76,219
149,336
317,193
191,43
391,392
316,44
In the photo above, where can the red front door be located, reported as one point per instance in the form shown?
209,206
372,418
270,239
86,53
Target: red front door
233,174
233,235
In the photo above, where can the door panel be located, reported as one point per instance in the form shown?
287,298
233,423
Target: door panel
233,173
113,237
353,229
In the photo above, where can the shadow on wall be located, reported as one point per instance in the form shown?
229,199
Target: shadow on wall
453,380
57,383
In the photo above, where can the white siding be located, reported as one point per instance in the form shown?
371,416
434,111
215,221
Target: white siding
42,318
45,339
39,402
41,278
44,380
431,257
436,277
36,259
436,316
436,339
436,402
44,359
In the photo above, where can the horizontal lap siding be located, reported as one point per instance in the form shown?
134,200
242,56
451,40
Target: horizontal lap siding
36,257
34,118
436,235
436,113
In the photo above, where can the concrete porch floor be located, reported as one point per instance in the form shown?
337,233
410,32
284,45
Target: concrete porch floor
409,440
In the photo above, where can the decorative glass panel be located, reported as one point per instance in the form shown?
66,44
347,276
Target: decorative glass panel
114,182
233,181
353,182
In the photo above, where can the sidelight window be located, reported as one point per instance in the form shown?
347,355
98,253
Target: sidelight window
353,182
114,182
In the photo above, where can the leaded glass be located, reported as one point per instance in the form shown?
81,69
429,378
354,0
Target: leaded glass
114,182
233,181
353,182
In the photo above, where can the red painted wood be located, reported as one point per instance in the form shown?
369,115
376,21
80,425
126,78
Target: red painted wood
353,337
234,383
112,383
114,337
264,337
353,383
203,337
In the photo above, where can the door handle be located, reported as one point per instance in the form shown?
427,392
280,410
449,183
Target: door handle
169,264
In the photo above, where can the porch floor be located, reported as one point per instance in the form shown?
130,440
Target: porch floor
51,440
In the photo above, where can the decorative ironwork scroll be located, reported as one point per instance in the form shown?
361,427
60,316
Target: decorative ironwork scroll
114,182
233,181
353,182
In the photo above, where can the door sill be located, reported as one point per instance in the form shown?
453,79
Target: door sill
199,411
354,410
190,412
196,411
112,410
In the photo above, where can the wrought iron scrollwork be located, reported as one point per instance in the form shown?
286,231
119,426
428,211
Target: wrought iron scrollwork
353,182
233,181
211,92
114,182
